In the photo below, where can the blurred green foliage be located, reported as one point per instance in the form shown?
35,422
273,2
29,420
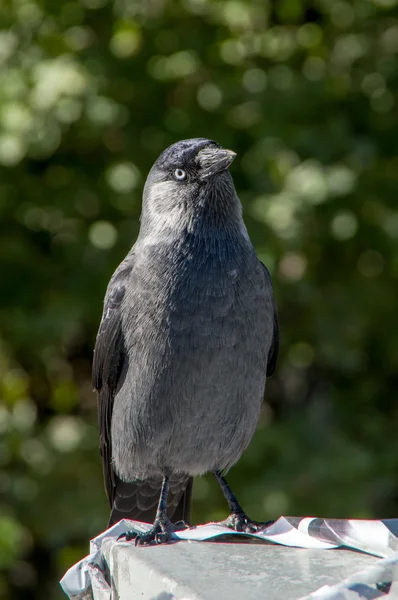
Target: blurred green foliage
91,92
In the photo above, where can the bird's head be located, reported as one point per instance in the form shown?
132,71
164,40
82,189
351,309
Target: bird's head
189,178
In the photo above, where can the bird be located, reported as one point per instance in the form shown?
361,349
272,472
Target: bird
188,336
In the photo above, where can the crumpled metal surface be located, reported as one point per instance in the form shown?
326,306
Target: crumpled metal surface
378,581
89,579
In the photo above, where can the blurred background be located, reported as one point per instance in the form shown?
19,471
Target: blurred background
91,91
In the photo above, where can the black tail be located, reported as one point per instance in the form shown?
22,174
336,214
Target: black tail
138,500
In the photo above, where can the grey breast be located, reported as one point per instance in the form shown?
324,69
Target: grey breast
198,323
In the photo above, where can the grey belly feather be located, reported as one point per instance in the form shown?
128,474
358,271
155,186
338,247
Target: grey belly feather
197,342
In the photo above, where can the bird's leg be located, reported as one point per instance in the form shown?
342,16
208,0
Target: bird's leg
162,527
237,519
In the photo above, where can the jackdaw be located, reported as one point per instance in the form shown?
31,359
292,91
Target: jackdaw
188,335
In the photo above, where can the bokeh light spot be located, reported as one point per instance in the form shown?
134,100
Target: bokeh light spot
78,38
341,180
232,51
390,225
35,453
309,35
102,110
342,14
65,432
209,96
178,65
255,80
373,82
24,415
344,225
102,235
292,266
8,43
12,150
16,117
308,181
389,39
123,177
125,43
245,115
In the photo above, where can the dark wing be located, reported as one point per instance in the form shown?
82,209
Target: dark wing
128,500
109,357
274,348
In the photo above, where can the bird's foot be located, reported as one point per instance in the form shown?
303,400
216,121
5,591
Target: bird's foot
160,533
239,521
181,525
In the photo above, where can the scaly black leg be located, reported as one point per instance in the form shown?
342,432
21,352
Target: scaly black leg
162,528
237,519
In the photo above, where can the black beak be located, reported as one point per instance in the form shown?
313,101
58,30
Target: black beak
213,160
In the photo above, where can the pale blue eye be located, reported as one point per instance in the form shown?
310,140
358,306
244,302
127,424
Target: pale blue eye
180,174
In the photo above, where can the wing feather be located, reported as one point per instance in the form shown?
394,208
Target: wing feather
274,348
109,357
130,500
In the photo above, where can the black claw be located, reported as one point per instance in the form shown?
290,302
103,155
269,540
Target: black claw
127,535
180,526
160,533
239,521
162,538
148,538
